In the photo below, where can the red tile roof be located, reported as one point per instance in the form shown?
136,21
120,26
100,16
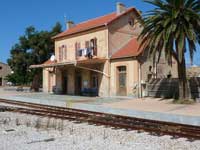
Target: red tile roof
48,62
129,50
94,23
96,60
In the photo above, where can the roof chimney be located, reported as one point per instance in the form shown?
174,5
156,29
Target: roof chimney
120,8
70,24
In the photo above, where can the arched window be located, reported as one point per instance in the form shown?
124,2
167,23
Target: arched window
131,22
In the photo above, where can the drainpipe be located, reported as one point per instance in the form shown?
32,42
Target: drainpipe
109,79
109,61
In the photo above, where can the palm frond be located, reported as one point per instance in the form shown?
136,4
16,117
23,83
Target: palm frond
172,24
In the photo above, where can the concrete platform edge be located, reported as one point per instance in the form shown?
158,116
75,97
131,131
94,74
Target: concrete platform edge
191,120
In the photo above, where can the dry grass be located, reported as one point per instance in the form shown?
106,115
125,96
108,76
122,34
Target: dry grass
186,102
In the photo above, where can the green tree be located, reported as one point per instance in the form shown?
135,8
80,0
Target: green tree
18,65
34,47
173,27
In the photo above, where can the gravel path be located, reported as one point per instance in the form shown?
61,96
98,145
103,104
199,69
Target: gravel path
25,132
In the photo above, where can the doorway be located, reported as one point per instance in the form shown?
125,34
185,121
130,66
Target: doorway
94,80
121,81
1,82
78,83
65,84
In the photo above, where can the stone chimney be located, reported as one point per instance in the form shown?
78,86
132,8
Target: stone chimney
70,24
120,8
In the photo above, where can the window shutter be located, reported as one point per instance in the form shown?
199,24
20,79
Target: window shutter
87,44
79,45
59,53
76,49
65,52
95,47
62,52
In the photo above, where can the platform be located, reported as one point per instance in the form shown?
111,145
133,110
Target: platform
154,109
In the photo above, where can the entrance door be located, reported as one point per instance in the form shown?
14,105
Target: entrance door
65,83
78,84
1,82
94,83
121,81
94,79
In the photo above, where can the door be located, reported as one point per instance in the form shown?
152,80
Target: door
1,82
94,84
94,80
78,84
65,83
121,81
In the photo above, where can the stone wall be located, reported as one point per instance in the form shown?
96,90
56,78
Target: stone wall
4,71
120,32
168,88
160,70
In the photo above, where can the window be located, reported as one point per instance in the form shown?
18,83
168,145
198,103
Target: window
62,53
122,76
0,67
78,49
87,44
89,50
65,51
131,22
93,46
122,69
94,81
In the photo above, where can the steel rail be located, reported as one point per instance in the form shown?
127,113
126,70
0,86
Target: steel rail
130,123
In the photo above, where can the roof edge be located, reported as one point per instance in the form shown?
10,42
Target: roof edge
112,58
81,31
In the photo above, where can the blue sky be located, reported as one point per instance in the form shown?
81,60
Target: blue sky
16,15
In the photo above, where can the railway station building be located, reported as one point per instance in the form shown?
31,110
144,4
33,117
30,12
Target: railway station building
101,57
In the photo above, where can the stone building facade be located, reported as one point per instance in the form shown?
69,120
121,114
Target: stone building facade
4,71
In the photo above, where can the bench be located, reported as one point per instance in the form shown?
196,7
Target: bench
89,92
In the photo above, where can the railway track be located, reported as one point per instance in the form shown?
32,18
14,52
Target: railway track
110,120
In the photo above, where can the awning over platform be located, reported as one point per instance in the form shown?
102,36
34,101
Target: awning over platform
49,63
91,61
52,65
78,64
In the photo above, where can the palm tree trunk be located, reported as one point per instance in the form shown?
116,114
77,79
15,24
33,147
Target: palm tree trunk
183,83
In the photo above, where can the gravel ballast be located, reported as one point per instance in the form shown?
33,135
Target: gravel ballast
26,132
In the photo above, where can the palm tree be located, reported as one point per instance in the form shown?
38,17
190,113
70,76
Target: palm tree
173,26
